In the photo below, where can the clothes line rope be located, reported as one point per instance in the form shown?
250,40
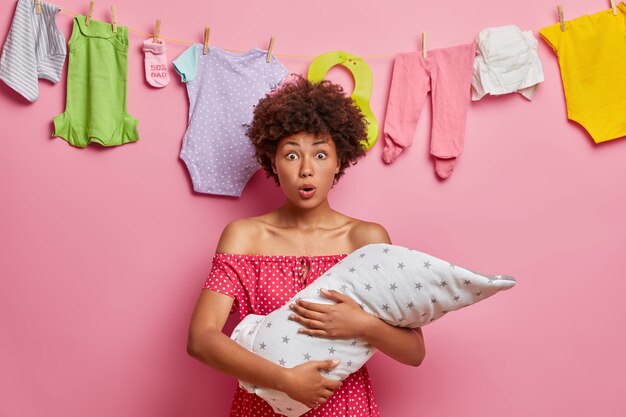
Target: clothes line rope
138,32
182,42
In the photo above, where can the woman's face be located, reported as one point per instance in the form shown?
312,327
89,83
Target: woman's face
306,165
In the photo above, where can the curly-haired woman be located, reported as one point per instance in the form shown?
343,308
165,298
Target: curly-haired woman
305,134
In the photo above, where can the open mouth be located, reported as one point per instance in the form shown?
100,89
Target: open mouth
306,190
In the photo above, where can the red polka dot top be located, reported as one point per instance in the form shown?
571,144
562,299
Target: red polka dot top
260,284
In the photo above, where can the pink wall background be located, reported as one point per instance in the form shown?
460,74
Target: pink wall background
103,251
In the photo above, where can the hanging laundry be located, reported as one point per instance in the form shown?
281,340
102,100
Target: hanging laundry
363,80
507,61
34,49
95,109
223,88
592,59
155,62
447,74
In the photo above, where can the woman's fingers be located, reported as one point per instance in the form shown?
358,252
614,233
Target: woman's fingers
320,308
306,313
323,397
333,385
327,393
309,323
336,296
313,332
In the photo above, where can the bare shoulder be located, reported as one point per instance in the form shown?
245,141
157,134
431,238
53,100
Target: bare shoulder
235,237
364,233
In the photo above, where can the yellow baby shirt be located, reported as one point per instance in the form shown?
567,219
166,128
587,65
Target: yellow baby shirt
592,59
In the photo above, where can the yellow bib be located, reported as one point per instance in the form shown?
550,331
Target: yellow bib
363,79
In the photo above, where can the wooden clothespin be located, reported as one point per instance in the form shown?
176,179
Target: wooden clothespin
38,6
113,19
207,31
268,59
157,32
89,13
559,9
424,53
613,7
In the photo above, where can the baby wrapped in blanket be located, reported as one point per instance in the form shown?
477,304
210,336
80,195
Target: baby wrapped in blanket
401,286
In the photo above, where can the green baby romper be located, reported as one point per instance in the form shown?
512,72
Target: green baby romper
95,109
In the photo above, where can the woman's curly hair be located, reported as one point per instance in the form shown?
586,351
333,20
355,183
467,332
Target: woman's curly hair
319,108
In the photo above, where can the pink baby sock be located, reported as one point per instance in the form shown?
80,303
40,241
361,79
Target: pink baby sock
444,167
157,74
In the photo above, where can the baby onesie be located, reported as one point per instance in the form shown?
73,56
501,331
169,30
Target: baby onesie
34,48
592,60
95,108
447,74
507,61
223,88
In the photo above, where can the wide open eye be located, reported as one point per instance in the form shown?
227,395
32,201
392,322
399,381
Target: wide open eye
321,155
292,156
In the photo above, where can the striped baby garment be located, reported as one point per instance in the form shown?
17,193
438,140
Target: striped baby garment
34,48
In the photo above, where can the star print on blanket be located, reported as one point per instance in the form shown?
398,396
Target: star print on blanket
401,286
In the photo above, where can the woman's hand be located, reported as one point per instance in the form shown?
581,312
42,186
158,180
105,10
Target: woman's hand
305,384
344,320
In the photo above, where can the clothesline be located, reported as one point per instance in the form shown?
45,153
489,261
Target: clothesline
182,42
71,13
139,32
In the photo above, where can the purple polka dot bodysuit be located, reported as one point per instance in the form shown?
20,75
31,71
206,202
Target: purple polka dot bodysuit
223,87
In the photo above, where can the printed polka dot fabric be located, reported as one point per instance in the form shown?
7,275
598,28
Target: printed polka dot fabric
261,284
223,88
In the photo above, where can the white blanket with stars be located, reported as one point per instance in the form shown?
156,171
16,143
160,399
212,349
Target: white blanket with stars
399,285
